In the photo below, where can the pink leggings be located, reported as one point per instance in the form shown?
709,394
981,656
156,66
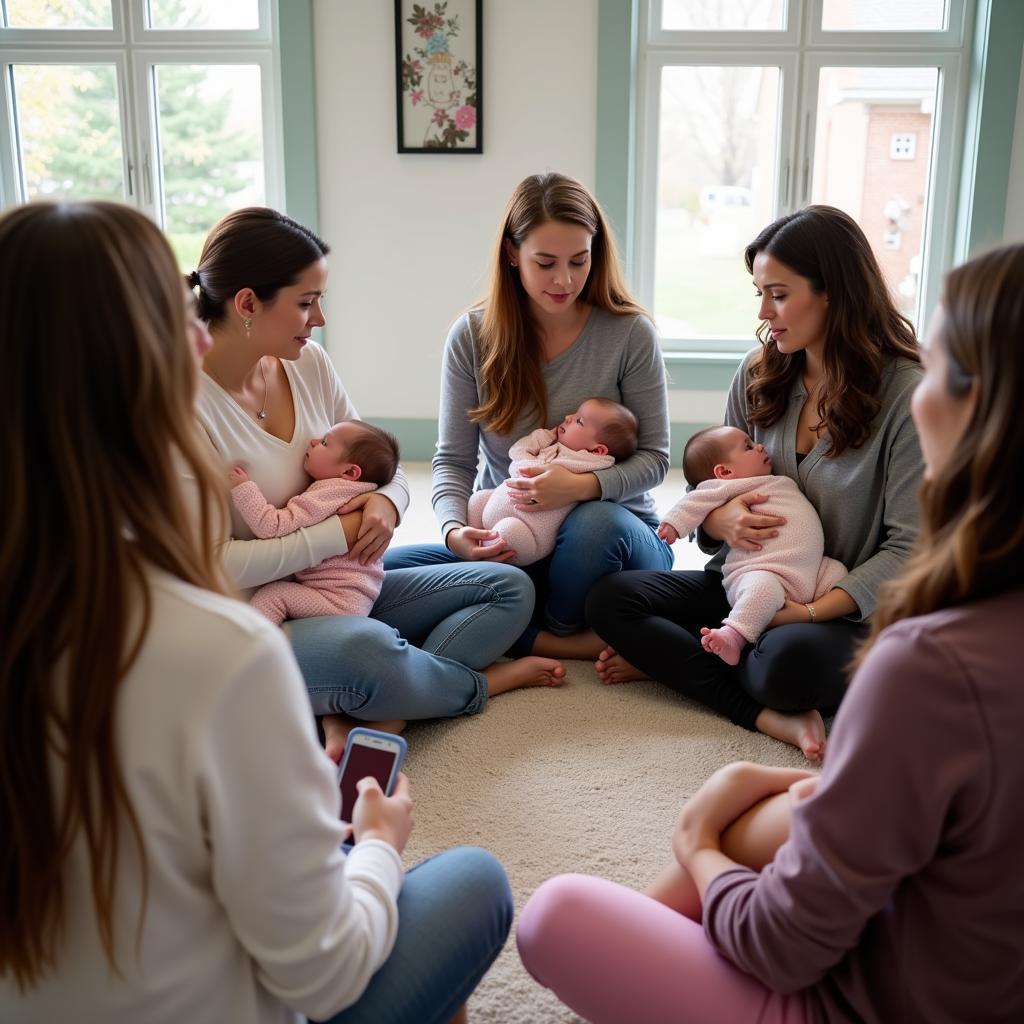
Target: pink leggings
615,956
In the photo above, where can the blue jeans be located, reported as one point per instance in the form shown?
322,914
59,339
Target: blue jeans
454,914
596,539
420,653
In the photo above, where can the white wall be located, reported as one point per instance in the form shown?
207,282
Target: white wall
411,234
1014,230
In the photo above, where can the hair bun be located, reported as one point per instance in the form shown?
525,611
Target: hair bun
193,280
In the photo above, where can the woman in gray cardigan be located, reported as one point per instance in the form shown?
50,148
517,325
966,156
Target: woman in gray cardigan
828,395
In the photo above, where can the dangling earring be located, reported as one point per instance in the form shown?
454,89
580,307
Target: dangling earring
247,324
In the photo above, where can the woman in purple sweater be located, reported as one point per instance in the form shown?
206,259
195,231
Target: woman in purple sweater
895,891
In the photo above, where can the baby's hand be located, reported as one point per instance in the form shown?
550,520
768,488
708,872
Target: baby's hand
668,533
237,476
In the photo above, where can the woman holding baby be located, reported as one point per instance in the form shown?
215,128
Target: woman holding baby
428,649
556,330
828,396
888,888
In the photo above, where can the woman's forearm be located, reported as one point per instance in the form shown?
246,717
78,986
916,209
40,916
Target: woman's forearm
836,604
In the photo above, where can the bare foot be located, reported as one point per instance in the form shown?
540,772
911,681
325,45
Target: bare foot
613,668
583,646
726,642
337,727
805,730
531,671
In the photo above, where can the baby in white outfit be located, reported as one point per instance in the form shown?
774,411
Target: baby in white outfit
721,463
593,437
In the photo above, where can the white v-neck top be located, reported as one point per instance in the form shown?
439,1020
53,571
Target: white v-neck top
320,401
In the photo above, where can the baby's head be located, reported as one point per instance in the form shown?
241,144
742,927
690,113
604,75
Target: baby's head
354,450
723,453
600,426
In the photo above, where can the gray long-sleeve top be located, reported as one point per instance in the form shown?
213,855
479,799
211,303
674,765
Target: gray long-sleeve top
866,497
899,895
616,357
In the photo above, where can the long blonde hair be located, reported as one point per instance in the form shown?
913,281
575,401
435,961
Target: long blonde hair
511,380
971,543
97,391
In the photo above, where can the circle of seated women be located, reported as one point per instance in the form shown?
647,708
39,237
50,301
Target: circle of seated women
156,729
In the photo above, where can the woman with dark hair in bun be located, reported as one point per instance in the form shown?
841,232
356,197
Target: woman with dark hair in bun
429,647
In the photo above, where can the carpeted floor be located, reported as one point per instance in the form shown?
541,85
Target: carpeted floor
583,778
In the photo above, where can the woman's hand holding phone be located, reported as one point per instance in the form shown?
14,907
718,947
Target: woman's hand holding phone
376,816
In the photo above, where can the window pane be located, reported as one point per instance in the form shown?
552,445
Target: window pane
202,14
723,15
69,131
883,15
211,148
59,14
716,162
871,159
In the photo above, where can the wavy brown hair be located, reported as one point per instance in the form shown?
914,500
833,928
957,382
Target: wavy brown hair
511,380
971,542
863,328
97,391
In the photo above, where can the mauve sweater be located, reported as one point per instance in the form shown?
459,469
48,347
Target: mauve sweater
899,896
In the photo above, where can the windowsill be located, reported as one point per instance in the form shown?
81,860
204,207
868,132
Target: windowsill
701,371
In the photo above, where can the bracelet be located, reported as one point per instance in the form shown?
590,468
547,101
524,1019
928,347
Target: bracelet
811,613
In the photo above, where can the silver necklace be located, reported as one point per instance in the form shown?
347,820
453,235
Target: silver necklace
262,414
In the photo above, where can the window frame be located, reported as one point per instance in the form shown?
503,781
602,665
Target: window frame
800,51
135,49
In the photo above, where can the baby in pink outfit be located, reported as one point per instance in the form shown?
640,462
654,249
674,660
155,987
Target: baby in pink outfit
721,463
591,438
351,458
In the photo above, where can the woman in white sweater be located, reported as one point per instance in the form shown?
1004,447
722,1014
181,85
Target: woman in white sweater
173,841
429,647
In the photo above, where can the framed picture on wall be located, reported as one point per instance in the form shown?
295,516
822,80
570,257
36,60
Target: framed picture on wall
438,70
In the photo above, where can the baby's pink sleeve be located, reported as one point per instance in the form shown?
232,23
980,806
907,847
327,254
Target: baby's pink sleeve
312,506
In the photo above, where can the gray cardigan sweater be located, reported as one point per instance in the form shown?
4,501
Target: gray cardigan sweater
867,497
616,357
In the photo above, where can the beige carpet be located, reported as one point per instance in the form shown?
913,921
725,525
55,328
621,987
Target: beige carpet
584,778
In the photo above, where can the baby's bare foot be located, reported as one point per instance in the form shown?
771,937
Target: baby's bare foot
612,668
726,642
805,730
532,671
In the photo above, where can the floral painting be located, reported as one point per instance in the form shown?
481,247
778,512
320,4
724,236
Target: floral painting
438,62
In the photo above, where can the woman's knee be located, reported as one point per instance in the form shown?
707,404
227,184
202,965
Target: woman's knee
512,586
553,920
470,888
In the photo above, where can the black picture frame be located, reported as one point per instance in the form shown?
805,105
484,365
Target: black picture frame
439,76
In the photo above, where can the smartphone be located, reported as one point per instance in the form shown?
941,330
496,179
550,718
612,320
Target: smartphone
368,752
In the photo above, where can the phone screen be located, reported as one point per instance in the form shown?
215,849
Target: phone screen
364,761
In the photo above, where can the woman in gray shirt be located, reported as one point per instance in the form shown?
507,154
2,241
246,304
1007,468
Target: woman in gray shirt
558,326
828,396
898,895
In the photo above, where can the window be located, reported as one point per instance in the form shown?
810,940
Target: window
749,109
170,105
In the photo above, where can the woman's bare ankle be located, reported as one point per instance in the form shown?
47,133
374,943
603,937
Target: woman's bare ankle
583,646
805,730
503,676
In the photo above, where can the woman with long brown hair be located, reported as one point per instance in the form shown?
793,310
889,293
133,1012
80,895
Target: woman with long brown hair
172,834
827,393
557,326
898,894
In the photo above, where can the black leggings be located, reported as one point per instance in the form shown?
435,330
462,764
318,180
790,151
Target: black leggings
653,619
